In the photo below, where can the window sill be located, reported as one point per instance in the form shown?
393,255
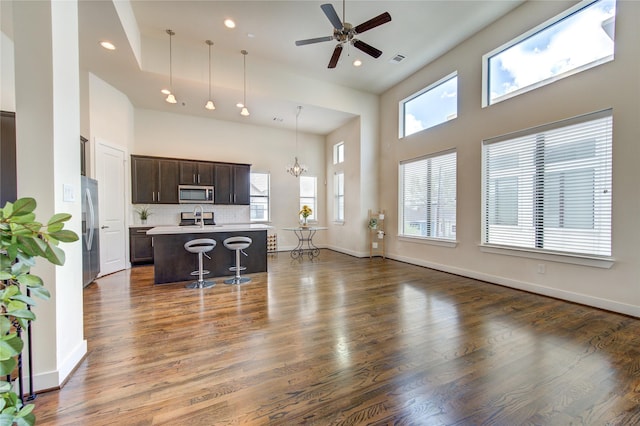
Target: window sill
430,241
574,259
338,223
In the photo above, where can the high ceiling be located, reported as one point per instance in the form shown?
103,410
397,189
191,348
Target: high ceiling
420,31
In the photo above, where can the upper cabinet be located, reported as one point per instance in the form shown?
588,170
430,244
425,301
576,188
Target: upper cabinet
154,180
232,184
196,173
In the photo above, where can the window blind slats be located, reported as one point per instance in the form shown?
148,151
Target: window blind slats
428,188
551,189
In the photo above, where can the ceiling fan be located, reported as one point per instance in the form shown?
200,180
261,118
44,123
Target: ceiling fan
344,32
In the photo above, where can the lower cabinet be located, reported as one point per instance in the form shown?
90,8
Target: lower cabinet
140,245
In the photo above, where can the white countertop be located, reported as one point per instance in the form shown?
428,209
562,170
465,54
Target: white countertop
197,229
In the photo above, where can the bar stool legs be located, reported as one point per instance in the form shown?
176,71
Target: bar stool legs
238,244
200,246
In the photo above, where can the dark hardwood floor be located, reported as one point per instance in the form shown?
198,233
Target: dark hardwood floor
344,341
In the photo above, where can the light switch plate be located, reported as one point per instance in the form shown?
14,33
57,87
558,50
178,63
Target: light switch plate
68,193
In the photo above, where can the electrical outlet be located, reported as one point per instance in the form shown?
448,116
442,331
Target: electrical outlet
374,245
541,268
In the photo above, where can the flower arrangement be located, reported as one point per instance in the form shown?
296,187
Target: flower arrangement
305,212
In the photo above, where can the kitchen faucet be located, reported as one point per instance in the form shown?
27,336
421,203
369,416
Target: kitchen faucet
195,215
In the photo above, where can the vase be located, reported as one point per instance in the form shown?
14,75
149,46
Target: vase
304,223
143,221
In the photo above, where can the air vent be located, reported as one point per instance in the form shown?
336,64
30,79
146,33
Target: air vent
396,59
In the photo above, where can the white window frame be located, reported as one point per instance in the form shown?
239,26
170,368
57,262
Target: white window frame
496,236
267,197
339,198
486,78
338,153
440,225
434,86
304,200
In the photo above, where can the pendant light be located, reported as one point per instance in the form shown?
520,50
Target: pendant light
209,105
244,112
297,169
170,96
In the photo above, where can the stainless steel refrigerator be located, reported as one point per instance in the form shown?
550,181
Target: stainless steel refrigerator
90,231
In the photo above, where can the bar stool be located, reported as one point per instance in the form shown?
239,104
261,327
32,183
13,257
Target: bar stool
200,246
238,244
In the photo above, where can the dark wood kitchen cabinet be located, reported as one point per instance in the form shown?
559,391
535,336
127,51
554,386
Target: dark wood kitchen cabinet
196,173
8,179
140,245
154,180
232,184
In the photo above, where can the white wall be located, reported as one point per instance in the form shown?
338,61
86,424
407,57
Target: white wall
613,85
266,149
48,135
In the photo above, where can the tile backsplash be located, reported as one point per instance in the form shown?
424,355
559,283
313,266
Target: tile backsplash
169,214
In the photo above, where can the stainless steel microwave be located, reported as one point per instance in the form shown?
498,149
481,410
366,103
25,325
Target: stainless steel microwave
195,194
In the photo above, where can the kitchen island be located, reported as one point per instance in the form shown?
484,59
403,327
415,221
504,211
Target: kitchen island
172,263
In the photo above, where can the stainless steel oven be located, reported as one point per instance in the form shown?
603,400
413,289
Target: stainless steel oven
195,194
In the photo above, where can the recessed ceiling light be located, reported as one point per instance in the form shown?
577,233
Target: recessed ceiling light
229,23
251,35
165,91
357,63
240,105
107,45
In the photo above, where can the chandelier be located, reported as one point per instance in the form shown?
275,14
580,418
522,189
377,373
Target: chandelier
297,169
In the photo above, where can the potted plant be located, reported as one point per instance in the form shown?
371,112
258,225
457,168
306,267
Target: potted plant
373,223
143,213
22,240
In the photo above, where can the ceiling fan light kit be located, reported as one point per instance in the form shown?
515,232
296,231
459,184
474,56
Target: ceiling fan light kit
344,32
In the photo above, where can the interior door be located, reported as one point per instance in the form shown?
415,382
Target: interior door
110,173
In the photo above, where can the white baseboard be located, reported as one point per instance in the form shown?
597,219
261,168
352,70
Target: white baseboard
54,379
597,302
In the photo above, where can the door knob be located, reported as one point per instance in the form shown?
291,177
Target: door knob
104,227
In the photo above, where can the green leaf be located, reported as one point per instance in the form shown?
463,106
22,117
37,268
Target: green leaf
5,326
26,218
24,299
40,292
10,347
5,387
24,206
23,313
5,275
55,255
66,236
29,280
7,366
25,410
27,420
59,218
6,419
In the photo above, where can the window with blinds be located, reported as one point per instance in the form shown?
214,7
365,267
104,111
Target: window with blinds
549,188
259,192
428,196
309,194
338,194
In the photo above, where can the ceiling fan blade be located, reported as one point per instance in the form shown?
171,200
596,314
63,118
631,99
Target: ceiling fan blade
313,40
366,48
332,16
373,22
336,55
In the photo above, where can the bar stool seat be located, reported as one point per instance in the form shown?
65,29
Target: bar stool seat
201,246
238,244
